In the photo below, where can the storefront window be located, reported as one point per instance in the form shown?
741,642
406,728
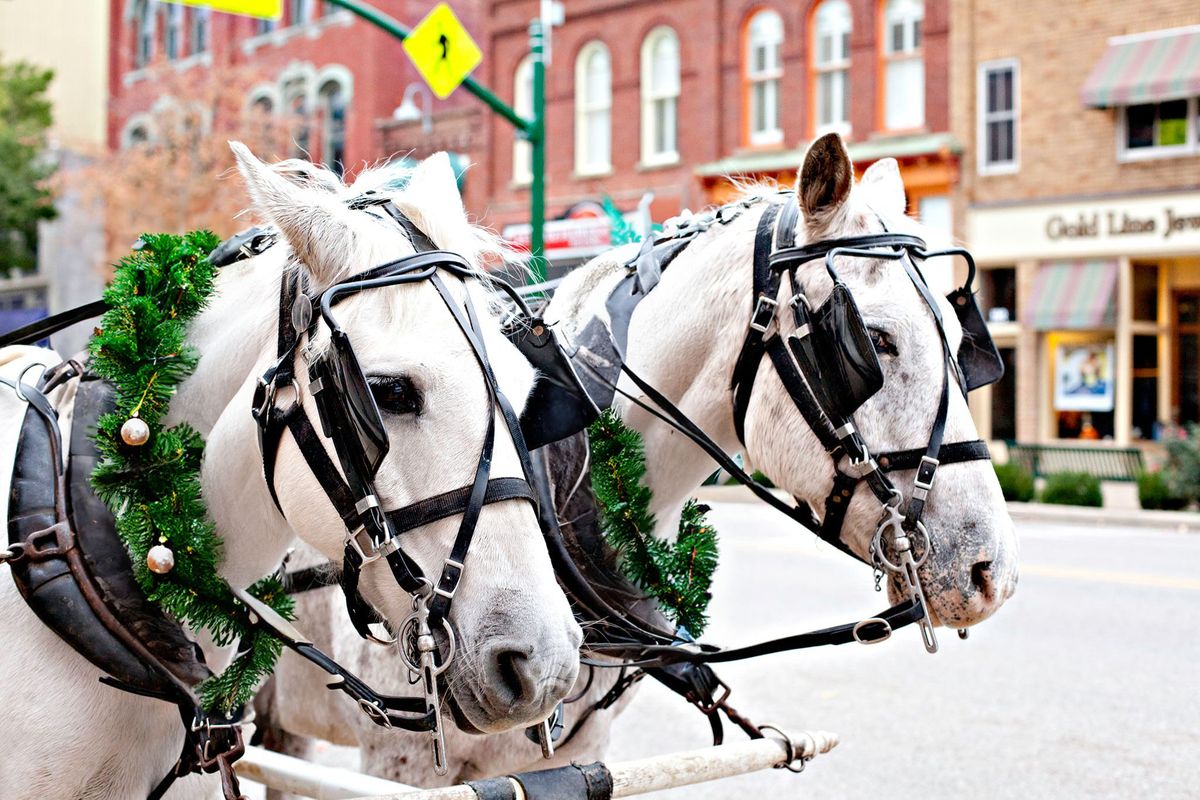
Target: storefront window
1004,398
1145,292
1187,348
998,294
1084,387
1145,387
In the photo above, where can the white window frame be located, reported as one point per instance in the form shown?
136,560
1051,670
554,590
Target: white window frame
586,106
910,51
822,68
652,94
752,78
522,151
173,28
300,13
200,15
1190,147
145,16
983,116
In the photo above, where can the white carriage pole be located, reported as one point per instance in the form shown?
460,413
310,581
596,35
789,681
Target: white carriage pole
287,774
632,778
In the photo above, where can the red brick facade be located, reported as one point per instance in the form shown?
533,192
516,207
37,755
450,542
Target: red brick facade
711,119
332,42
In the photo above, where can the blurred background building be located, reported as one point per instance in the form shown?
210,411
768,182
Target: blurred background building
1080,190
70,38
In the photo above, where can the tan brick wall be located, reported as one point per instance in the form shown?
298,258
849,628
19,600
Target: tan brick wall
1065,148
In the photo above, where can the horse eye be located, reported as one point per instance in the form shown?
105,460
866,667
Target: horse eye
883,343
396,395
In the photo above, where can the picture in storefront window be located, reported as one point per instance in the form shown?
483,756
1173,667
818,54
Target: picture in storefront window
1084,377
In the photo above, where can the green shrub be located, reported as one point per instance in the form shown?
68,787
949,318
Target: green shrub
1015,481
1156,490
1073,489
1182,470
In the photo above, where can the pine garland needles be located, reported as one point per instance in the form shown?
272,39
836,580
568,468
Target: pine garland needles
678,574
149,475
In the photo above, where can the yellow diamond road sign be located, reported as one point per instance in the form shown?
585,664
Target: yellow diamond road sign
267,9
442,50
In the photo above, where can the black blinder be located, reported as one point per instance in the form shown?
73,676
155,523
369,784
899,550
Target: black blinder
347,407
978,358
559,406
850,369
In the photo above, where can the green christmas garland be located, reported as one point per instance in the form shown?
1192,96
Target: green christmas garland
678,574
149,475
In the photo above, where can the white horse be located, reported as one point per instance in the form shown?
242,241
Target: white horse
684,340
66,735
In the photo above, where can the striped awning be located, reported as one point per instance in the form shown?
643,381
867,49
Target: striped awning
1146,68
1073,295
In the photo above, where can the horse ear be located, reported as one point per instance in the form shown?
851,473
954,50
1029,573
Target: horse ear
435,182
825,178
313,221
886,187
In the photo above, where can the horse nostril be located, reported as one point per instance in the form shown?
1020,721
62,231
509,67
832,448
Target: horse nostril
511,666
981,578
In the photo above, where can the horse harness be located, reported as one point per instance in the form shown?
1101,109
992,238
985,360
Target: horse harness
74,571
829,368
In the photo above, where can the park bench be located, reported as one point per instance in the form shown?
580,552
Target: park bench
1106,463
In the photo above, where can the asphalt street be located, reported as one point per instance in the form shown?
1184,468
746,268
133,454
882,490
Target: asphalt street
1085,685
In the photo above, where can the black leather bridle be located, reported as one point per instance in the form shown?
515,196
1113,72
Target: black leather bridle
352,421
828,367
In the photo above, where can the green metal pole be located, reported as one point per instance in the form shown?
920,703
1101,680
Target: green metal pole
533,129
537,138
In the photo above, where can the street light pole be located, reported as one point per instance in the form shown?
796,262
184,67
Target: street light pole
532,129
537,141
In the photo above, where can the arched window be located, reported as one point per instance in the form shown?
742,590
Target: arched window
200,30
333,100
831,66
660,96
143,34
593,110
173,44
904,106
762,71
295,107
523,105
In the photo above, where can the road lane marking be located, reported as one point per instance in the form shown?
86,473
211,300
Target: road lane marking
1111,576
1144,579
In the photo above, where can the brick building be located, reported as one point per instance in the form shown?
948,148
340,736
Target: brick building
1081,200
334,79
673,97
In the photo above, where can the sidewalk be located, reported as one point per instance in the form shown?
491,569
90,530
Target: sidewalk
1178,521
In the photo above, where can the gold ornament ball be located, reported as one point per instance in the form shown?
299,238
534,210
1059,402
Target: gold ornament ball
160,559
135,432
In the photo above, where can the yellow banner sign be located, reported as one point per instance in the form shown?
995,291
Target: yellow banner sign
442,50
266,9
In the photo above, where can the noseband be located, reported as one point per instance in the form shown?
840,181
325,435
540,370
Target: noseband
351,419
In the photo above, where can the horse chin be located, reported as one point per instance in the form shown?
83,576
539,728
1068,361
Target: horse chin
460,718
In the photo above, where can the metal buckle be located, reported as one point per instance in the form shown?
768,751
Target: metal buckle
352,540
458,565
856,631
763,304
933,464
366,504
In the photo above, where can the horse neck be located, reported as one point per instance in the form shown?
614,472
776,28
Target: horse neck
235,337
684,340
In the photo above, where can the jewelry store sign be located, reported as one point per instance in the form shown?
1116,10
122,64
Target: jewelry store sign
1162,225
